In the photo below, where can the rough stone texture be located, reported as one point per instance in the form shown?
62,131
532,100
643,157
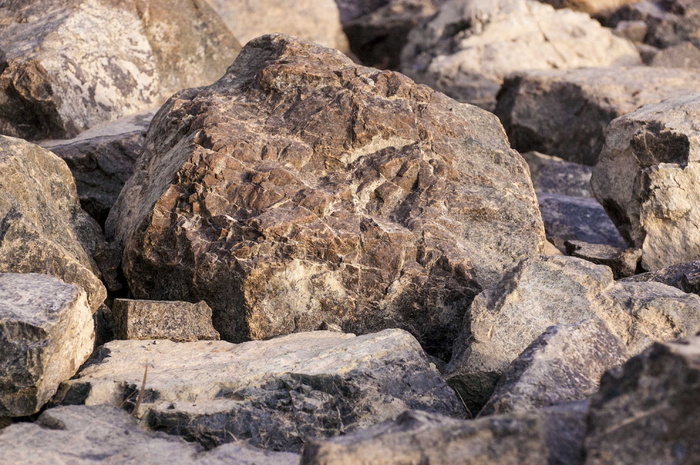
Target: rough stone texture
685,277
648,411
353,9
634,31
302,189
68,65
150,319
102,159
468,48
565,112
648,179
42,227
553,175
552,290
417,438
576,218
46,333
563,365
313,20
592,7
79,435
682,55
622,262
275,394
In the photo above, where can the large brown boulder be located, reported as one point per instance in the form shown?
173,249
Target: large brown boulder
67,65
302,189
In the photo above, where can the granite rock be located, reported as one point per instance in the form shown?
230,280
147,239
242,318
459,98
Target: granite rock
552,175
622,261
685,276
592,7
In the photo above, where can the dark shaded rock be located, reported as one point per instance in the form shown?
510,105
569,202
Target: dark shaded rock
648,411
150,319
685,276
622,262
302,189
682,55
72,64
46,333
353,9
274,394
552,175
648,179
565,112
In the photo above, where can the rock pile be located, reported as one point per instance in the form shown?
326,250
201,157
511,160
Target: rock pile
300,259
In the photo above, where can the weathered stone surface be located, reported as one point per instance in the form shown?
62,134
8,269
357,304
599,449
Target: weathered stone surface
46,333
552,175
634,31
313,20
685,276
592,7
563,365
576,218
151,319
102,159
416,438
648,180
42,227
552,290
79,435
68,65
275,394
648,411
302,189
565,112
353,9
682,55
622,261
468,48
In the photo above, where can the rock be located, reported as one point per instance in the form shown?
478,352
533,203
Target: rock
632,30
416,438
42,227
553,290
79,435
46,333
685,277
648,411
577,218
102,159
313,20
302,189
274,394
378,37
149,319
469,47
563,365
682,55
622,262
592,7
552,175
68,65
647,180
565,112
353,9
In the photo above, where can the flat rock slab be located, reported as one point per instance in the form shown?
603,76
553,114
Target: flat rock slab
80,435
536,106
623,262
685,276
46,333
153,319
648,411
315,191
553,175
648,180
274,394
470,46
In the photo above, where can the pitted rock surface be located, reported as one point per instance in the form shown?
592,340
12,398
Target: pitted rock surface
302,189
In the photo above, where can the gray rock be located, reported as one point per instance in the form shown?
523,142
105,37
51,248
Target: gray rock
68,65
353,9
552,290
102,159
46,333
648,411
685,277
552,175
416,438
150,319
274,394
682,55
314,191
563,365
592,7
576,218
469,47
622,261
42,227
79,435
632,30
565,112
647,179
